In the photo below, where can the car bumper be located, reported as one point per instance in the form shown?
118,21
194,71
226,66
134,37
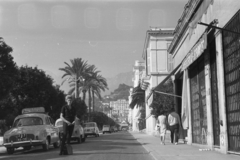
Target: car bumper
24,143
90,133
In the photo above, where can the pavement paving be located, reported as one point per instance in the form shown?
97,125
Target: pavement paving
177,152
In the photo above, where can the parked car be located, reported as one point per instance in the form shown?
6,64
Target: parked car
78,131
33,128
106,128
115,129
91,128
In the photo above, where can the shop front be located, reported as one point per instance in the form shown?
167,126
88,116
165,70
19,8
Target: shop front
194,64
231,58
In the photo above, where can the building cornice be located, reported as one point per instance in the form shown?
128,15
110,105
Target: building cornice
159,32
182,26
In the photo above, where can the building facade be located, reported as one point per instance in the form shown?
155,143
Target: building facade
120,108
206,53
158,63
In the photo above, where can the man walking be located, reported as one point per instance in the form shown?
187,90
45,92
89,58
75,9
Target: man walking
174,125
68,115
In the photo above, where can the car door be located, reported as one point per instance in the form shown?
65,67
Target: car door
53,131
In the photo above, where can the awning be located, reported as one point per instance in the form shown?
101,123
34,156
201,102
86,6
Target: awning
160,84
166,79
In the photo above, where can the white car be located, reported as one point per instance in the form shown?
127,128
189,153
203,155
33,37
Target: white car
106,128
91,128
78,131
32,128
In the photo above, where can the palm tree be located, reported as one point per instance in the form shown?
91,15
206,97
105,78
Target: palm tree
85,85
99,85
75,73
93,83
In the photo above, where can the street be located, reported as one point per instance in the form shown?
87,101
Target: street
115,146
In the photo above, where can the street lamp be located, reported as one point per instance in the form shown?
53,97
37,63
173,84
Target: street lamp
76,81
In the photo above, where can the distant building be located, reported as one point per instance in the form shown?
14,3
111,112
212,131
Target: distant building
120,108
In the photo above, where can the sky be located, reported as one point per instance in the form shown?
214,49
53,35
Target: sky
109,34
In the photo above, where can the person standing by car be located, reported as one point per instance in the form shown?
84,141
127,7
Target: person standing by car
68,115
174,125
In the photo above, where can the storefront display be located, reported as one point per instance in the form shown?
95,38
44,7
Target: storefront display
198,102
231,53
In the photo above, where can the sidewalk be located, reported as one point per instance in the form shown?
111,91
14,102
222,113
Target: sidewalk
177,152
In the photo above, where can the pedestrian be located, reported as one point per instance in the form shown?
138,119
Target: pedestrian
68,116
156,129
162,127
174,125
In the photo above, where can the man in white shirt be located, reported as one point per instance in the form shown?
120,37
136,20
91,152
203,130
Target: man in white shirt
174,125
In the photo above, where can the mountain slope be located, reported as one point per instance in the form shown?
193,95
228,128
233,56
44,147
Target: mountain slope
121,78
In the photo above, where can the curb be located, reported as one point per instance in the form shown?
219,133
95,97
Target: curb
146,148
155,158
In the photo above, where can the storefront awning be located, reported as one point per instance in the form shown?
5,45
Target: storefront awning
166,79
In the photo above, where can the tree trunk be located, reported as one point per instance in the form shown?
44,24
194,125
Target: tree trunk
89,99
76,90
93,100
84,95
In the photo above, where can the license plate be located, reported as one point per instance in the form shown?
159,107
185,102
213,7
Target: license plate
22,139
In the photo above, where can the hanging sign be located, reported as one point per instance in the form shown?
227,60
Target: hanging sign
195,52
144,85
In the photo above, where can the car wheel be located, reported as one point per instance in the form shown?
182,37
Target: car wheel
96,135
10,150
27,147
103,132
46,145
56,144
79,140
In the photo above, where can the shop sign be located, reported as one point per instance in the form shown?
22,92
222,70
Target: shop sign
195,52
144,85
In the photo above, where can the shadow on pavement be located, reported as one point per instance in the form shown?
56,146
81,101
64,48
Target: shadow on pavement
93,145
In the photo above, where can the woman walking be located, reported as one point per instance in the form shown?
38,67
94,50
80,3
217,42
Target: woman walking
162,127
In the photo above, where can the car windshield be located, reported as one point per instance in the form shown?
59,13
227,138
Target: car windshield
28,121
89,125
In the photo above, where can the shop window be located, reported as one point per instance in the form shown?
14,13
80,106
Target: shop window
198,102
231,53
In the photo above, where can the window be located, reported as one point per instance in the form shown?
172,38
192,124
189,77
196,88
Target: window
28,121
